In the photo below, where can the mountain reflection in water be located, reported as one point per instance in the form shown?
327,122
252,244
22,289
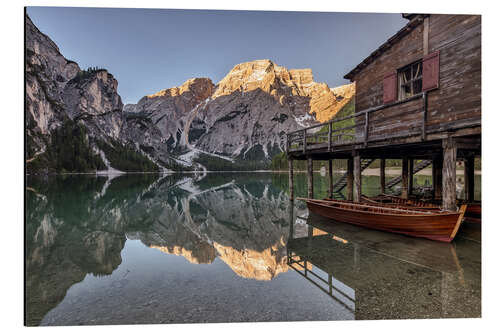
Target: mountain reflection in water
85,264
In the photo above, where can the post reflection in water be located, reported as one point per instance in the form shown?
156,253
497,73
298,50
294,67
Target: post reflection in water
380,275
221,248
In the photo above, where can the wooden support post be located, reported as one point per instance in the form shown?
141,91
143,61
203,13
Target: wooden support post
367,119
424,116
329,136
382,175
426,36
410,175
469,178
357,178
305,141
449,174
437,177
404,178
350,180
330,178
310,187
290,177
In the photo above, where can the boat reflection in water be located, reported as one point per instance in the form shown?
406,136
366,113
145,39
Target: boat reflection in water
378,275
139,249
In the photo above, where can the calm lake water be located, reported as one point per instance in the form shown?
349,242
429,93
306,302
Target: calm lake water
228,247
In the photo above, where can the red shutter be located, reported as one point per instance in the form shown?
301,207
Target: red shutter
430,71
390,88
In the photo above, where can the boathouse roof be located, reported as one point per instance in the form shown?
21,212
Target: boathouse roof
415,20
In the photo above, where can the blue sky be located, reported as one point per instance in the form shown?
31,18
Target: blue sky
152,49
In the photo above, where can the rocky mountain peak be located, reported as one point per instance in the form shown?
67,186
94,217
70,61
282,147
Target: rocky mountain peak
197,88
195,125
282,84
101,88
267,76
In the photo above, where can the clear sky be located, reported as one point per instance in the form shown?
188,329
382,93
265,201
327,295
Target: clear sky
152,49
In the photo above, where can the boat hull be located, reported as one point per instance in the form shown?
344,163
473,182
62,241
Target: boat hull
472,214
440,226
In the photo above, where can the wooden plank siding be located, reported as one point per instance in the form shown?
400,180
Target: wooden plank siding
457,100
413,126
369,81
458,39
401,118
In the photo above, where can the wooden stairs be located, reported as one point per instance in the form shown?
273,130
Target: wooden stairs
342,182
393,182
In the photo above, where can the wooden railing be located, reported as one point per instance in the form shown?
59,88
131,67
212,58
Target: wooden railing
356,128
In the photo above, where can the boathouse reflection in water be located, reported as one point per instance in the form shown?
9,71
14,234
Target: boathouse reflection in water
380,275
78,229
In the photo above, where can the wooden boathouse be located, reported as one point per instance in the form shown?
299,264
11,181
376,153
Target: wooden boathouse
418,97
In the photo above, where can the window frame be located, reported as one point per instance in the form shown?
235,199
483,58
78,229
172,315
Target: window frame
400,73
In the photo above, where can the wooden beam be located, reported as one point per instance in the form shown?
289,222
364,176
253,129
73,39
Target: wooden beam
426,36
382,175
350,178
310,186
330,178
367,119
292,222
437,177
357,178
330,136
424,116
469,178
404,178
449,175
290,177
305,141
410,176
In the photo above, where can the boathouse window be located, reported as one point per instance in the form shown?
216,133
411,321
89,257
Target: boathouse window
410,80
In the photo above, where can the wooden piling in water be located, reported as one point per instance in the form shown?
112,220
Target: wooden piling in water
404,178
410,176
449,174
382,175
310,186
350,178
437,177
469,178
357,178
290,178
330,178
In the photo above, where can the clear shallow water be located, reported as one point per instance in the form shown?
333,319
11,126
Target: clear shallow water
227,248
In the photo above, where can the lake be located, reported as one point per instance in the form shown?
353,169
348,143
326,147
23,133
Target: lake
228,247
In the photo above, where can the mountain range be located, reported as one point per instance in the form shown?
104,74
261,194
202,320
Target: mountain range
76,121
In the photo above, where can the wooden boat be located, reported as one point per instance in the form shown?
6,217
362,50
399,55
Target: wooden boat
390,200
472,214
431,224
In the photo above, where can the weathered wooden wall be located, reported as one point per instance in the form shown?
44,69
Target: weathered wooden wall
457,101
458,98
369,88
403,119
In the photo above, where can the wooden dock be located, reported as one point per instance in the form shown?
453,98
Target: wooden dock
437,121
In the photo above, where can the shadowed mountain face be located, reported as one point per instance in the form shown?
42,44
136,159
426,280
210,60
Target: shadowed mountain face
74,233
197,125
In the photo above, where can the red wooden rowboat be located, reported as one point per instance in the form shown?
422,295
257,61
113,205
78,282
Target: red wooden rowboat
472,214
397,202
436,225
